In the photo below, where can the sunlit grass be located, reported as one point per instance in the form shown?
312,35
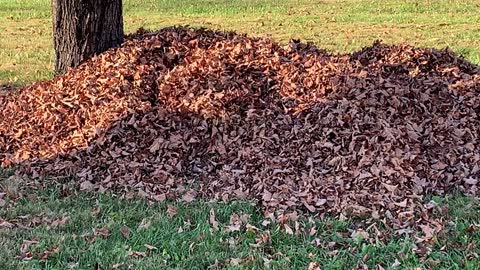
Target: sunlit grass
338,26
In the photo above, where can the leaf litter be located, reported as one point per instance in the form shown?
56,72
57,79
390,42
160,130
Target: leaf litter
182,114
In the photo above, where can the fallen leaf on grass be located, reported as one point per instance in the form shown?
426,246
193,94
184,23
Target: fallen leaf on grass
360,235
287,228
6,224
472,228
428,232
136,254
59,222
262,239
235,223
117,265
104,232
314,266
87,186
189,196
25,254
235,261
48,253
150,247
95,211
396,264
125,231
172,211
251,228
212,220
144,224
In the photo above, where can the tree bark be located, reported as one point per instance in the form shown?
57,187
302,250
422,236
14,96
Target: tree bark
83,28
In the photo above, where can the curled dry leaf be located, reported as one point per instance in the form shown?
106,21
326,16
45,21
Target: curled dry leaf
314,266
59,222
288,229
212,220
104,232
144,224
428,233
172,210
25,254
262,239
125,231
189,196
150,247
136,254
6,224
87,186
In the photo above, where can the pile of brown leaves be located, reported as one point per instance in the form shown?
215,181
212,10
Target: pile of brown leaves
183,113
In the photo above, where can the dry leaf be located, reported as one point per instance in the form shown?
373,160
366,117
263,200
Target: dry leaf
172,211
288,230
125,231
87,186
189,196
471,181
428,231
149,247
212,220
105,232
5,224
144,224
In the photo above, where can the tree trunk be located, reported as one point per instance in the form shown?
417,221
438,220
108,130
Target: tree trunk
83,28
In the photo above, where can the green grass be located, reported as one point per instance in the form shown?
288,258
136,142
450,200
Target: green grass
73,244
336,25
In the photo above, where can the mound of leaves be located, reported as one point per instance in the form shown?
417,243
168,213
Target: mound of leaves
184,114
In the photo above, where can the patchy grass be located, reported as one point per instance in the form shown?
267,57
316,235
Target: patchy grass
338,26
71,230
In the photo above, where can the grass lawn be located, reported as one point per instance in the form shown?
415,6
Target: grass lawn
58,228
336,25
53,226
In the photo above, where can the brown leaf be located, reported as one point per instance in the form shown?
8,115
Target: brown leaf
136,254
25,254
314,266
117,265
144,224
95,211
87,186
5,224
172,211
402,204
125,231
288,230
471,181
428,231
150,247
105,232
212,220
59,222
189,196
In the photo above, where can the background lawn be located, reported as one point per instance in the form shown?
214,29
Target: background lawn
335,25
52,226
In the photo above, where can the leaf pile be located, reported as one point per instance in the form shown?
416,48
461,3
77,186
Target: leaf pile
187,113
